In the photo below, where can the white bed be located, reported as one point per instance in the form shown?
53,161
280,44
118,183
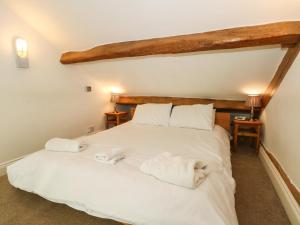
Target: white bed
122,192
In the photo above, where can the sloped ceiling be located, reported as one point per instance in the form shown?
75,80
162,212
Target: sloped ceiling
77,25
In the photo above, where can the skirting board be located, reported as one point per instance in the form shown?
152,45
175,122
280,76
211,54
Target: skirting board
5,164
288,201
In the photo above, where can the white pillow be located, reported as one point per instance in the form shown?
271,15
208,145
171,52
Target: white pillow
153,114
193,116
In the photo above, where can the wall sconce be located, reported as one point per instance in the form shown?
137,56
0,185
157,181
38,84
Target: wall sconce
21,53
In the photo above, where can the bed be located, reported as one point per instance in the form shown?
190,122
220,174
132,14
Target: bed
122,192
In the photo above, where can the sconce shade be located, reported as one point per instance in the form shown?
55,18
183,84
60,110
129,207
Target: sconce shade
21,47
253,101
21,52
114,97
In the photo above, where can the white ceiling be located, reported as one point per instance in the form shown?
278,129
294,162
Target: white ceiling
77,25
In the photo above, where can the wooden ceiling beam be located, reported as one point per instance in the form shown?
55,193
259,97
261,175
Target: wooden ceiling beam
288,45
282,70
282,33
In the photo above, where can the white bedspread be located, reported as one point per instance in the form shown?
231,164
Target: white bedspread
122,192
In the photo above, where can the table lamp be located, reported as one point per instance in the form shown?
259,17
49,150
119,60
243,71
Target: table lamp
114,99
253,101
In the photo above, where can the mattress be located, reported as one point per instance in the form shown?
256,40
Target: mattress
122,192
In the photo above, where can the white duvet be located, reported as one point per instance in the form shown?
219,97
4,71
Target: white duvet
122,192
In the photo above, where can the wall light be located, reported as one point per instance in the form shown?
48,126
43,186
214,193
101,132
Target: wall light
21,53
21,47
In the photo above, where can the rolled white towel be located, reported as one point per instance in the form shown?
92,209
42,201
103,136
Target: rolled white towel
175,170
110,155
65,145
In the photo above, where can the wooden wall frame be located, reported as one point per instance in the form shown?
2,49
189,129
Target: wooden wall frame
282,70
285,34
282,33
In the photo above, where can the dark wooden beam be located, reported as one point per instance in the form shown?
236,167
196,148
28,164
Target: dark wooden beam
283,33
282,70
218,104
288,45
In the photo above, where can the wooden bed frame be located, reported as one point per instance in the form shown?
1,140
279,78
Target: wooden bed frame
221,118
219,104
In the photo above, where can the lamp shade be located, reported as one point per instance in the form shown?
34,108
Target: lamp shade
21,52
114,97
253,101
21,47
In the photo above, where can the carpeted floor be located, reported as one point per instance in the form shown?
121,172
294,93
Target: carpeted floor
256,200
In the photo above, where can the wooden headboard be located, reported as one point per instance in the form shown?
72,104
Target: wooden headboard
222,118
231,105
223,107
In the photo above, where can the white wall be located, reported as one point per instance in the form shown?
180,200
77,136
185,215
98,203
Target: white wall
282,124
44,101
220,74
76,25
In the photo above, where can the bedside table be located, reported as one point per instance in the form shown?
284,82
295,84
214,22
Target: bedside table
247,128
115,118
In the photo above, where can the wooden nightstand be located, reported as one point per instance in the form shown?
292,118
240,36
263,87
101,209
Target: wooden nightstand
247,128
115,118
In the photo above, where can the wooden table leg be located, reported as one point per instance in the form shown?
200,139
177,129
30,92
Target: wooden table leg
235,138
106,122
258,140
118,119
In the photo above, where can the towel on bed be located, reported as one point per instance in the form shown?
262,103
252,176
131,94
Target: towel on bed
65,145
176,170
111,155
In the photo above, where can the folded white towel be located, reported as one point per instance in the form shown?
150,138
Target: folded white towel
110,155
175,170
65,145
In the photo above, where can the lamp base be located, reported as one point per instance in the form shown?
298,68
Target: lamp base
252,114
115,109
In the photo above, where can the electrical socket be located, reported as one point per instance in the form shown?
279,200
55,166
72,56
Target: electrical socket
88,88
91,130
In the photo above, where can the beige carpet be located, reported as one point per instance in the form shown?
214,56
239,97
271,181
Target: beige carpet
256,201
